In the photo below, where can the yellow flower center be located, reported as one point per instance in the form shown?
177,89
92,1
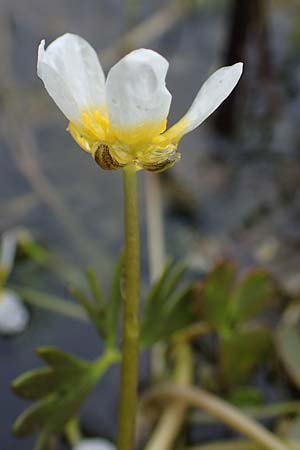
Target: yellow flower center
143,146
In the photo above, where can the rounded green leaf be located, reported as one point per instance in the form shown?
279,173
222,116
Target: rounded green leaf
241,352
213,296
252,295
288,343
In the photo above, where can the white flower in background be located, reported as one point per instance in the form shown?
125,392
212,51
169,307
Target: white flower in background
14,316
94,444
122,120
7,254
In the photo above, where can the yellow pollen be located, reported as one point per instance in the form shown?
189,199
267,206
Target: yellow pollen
145,146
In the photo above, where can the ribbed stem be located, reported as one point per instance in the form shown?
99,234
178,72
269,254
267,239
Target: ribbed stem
130,342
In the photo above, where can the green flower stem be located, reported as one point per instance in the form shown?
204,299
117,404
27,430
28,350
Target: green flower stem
130,343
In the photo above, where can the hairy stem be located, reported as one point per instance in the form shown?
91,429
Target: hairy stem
130,342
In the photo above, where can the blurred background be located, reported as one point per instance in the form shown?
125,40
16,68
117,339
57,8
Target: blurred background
235,193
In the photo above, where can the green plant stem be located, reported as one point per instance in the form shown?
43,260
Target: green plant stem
172,418
257,412
226,445
217,407
239,445
43,442
130,341
72,432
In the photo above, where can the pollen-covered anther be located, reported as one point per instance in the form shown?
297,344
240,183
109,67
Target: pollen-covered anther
103,157
160,166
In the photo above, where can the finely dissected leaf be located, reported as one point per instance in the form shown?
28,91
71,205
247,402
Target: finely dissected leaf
51,413
177,317
95,314
112,308
61,387
241,352
252,294
152,302
175,314
288,343
160,302
213,297
45,258
103,314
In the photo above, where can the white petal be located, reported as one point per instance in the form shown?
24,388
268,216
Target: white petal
94,444
14,316
136,91
72,74
212,93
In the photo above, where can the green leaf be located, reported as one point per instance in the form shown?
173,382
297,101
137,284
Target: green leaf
95,314
175,314
52,412
244,396
113,304
95,288
288,343
177,317
35,251
35,383
59,359
213,296
50,302
61,388
241,352
158,303
251,295
30,421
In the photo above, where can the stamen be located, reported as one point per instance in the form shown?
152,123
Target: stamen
103,157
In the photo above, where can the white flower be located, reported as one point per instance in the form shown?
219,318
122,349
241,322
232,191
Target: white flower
94,444
14,316
123,120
